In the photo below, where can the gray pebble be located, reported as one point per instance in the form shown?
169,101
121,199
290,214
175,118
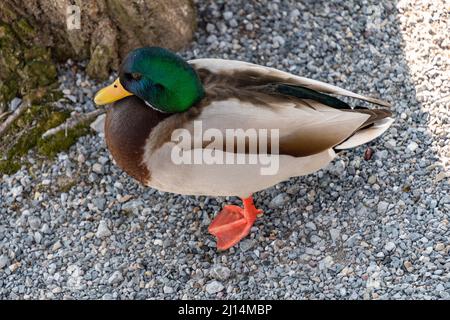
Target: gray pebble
214,287
34,222
382,207
220,272
115,278
311,226
246,244
103,230
100,203
133,206
412,146
3,261
335,234
14,104
227,15
278,201
167,290
390,246
97,168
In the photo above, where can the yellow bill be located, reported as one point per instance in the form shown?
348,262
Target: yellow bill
111,93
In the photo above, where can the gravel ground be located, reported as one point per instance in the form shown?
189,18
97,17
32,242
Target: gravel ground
79,227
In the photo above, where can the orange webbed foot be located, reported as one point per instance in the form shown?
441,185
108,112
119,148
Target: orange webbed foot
233,223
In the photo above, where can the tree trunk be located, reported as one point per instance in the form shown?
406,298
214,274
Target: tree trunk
102,31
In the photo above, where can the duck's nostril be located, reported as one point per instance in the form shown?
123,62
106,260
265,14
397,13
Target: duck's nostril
115,86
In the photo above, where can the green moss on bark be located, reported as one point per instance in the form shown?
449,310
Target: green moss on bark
24,64
62,140
26,69
26,134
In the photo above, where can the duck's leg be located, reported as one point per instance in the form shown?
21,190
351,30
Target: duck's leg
233,223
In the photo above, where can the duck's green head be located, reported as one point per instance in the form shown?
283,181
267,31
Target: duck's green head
159,77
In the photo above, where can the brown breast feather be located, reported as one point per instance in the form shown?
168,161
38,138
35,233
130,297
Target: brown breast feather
127,126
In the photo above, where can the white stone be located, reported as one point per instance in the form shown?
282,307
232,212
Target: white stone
372,179
220,272
17,191
335,234
37,237
57,245
382,207
391,144
116,277
98,168
390,246
310,225
412,146
81,158
34,222
227,15
14,104
338,168
98,125
3,261
214,287
102,230
326,263
168,290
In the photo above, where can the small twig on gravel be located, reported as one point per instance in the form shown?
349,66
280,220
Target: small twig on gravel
7,123
4,114
73,121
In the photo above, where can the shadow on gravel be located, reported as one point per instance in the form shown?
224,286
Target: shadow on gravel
348,212
361,49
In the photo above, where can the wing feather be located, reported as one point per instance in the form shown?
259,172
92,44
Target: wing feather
303,131
232,67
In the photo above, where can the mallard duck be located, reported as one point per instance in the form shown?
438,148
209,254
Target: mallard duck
158,93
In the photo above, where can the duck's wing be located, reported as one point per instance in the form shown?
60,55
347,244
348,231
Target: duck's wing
249,72
301,130
298,129
245,95
299,137
290,117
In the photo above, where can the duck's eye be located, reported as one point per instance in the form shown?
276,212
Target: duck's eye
136,76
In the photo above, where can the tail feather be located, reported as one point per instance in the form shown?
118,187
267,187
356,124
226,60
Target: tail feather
367,133
375,115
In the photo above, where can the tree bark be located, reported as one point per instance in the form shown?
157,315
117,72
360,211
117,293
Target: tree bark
103,31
